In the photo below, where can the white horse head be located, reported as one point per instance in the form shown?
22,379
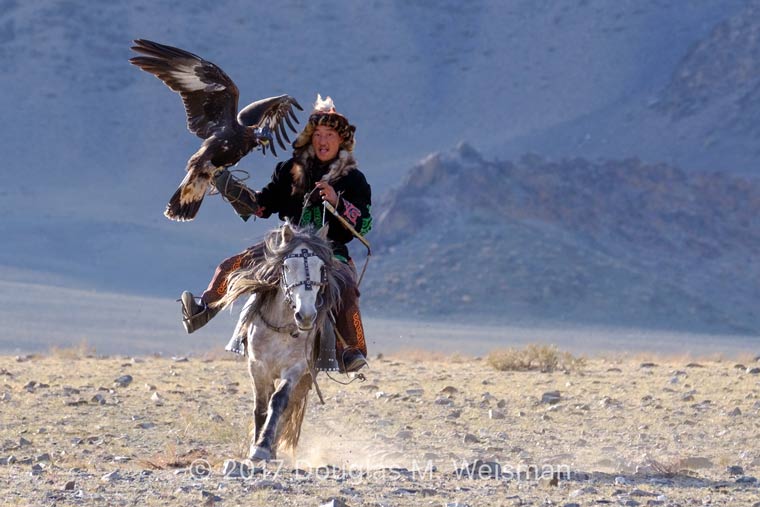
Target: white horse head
303,279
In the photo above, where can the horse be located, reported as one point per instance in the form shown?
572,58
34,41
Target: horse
293,282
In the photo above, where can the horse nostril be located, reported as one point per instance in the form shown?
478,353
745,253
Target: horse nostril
298,316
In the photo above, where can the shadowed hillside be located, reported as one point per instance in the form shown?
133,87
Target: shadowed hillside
576,241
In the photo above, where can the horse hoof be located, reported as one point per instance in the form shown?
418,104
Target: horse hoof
259,454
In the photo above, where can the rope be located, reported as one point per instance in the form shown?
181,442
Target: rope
312,370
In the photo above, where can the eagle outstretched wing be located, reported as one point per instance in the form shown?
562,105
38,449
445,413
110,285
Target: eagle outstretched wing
271,114
209,95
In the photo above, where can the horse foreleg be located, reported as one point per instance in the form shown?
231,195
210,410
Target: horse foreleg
260,401
261,449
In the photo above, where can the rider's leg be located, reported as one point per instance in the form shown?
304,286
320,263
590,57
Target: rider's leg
197,314
352,356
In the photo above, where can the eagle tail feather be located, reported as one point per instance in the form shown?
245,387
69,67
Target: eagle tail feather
183,210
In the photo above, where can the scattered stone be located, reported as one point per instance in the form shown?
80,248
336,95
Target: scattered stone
122,459
443,401
745,479
209,498
454,414
740,367
180,359
614,370
620,480
156,399
641,492
8,460
216,418
588,490
36,470
480,469
267,483
22,442
501,404
694,365
495,414
469,438
43,457
123,381
334,502
6,396
735,412
69,486
735,471
647,365
551,397
449,390
99,399
415,392
235,468
150,387
404,435
111,476
145,425
753,371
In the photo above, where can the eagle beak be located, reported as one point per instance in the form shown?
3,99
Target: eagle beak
264,136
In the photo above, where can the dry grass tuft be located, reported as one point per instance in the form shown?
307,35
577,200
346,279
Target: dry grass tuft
533,357
80,351
170,458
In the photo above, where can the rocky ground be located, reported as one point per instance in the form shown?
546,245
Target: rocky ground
77,430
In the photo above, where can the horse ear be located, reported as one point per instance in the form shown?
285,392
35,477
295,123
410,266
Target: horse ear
286,233
322,232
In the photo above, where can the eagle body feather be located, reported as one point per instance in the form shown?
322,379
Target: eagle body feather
210,98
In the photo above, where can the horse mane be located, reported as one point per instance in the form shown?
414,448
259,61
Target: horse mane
263,275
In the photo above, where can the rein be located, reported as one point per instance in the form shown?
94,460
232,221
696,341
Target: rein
307,282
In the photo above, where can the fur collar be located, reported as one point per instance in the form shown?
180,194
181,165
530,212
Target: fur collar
341,166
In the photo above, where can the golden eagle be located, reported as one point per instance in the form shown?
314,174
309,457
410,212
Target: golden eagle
211,101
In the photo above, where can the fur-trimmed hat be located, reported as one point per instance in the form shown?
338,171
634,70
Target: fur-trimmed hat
324,113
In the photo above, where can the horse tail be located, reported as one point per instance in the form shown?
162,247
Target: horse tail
291,423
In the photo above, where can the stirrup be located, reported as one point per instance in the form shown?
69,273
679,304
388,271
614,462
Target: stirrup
354,362
236,345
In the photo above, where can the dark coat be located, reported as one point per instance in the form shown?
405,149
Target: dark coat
293,179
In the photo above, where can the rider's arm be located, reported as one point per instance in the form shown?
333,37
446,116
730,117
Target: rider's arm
355,203
240,197
276,191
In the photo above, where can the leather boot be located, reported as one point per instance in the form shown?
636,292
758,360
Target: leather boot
194,315
353,355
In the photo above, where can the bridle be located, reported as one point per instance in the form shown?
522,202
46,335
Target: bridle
307,282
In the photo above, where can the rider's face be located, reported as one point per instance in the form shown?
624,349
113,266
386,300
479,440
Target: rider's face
326,142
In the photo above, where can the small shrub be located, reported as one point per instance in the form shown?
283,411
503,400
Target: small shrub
80,351
545,358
